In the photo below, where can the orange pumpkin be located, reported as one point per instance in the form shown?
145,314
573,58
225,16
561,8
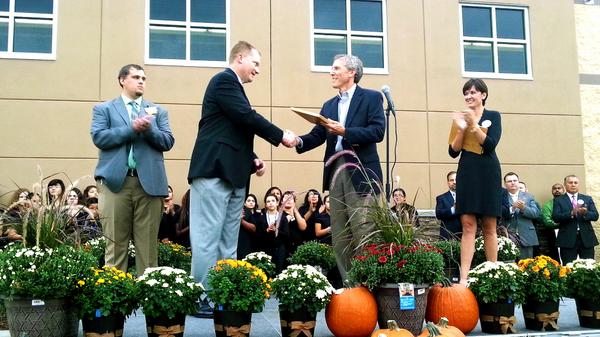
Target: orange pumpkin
392,331
352,313
443,328
455,302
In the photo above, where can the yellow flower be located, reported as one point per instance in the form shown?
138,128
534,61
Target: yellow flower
563,272
100,281
535,269
546,273
81,283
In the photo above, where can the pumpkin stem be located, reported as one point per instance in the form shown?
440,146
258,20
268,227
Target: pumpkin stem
443,322
392,325
446,282
433,330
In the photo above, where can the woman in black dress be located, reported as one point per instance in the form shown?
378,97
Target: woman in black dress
310,212
478,188
247,239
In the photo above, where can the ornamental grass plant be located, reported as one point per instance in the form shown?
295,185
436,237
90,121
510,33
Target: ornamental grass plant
314,254
107,291
377,264
174,255
546,279
237,285
262,261
583,279
42,273
497,282
302,287
168,292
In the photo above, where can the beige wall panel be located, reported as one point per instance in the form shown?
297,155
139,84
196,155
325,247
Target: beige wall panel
24,172
554,89
296,176
46,129
525,139
74,73
295,85
414,179
412,138
588,44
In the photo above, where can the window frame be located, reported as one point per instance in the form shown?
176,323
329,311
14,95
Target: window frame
495,41
188,29
349,33
24,17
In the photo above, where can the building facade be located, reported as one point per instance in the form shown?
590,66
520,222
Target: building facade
58,58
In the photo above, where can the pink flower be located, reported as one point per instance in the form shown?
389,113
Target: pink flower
382,259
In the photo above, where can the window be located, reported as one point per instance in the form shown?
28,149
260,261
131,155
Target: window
187,32
495,41
28,29
349,27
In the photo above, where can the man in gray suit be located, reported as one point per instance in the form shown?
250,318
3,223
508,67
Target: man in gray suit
518,210
131,134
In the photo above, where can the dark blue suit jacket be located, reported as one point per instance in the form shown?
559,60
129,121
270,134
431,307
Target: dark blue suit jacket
567,230
224,146
450,222
365,127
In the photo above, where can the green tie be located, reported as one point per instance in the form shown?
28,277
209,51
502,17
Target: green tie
134,114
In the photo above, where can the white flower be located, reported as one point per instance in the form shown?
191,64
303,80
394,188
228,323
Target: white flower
320,294
165,285
179,292
179,280
151,282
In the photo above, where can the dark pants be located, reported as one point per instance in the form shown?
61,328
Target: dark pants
570,254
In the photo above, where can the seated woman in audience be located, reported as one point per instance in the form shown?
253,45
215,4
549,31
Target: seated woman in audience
55,191
247,240
273,232
81,217
183,225
406,212
35,199
91,191
323,223
310,211
296,223
276,191
167,231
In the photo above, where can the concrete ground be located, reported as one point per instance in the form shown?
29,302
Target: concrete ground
266,324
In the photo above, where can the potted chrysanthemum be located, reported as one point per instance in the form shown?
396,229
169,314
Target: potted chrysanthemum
582,285
104,299
316,254
302,291
166,296
508,251
262,261
498,286
547,283
238,289
174,255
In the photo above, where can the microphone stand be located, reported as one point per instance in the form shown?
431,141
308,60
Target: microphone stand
388,186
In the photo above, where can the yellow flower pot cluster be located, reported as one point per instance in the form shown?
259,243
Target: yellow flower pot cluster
238,285
546,278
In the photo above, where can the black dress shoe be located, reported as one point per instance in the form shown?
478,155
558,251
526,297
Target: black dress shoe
205,310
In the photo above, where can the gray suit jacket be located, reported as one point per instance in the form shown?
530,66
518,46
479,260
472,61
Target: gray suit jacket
521,220
112,134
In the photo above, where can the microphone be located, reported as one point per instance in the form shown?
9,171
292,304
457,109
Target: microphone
386,92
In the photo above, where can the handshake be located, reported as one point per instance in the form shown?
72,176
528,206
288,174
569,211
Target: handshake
289,139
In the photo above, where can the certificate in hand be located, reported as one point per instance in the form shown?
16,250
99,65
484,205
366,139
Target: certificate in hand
470,142
312,117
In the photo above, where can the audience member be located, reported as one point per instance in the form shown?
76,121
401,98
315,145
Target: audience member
296,223
273,231
406,212
247,239
55,191
323,223
167,230
183,225
445,210
548,228
91,191
574,212
519,209
310,211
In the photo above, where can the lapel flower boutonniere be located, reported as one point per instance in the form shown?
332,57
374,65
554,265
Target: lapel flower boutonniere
486,123
151,110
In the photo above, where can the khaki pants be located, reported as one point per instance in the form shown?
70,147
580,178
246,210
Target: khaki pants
130,214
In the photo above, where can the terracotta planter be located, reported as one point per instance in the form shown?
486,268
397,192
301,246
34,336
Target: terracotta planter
37,318
541,316
165,326
588,311
232,323
298,323
388,307
497,317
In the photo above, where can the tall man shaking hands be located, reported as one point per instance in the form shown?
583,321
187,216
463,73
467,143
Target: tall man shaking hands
223,160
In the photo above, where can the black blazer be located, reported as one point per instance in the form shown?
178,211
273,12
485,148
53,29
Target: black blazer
443,212
567,230
224,146
365,127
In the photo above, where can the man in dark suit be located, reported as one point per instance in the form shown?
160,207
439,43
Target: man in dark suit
574,213
445,212
355,122
131,134
519,210
223,160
